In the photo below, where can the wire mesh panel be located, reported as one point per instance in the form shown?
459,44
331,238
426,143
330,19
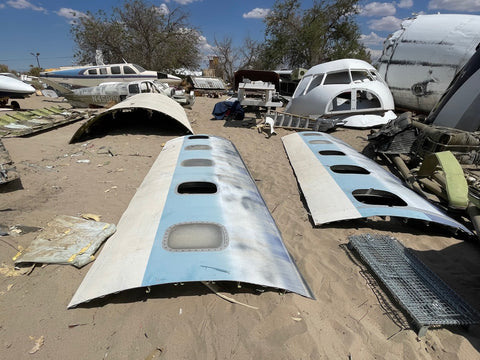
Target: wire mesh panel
427,299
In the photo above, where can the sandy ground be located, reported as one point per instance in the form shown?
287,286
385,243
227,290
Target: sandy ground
347,320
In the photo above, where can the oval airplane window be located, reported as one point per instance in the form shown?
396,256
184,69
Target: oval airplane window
331,153
378,197
349,169
312,134
198,147
197,187
319,142
195,236
197,162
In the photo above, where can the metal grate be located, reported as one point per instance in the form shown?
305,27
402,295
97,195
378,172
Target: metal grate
419,291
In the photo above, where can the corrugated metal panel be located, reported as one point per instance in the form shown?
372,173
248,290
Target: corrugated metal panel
207,83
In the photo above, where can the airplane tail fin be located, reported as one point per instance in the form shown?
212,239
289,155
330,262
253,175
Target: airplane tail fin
61,90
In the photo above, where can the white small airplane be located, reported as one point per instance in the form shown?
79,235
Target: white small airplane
11,88
114,92
93,75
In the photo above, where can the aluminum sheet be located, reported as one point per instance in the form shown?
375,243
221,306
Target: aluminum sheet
197,216
149,101
340,184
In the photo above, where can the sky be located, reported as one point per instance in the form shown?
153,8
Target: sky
38,31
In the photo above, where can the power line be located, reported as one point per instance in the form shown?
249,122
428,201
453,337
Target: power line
43,58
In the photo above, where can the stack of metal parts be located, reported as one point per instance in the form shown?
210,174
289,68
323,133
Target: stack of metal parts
427,299
20,123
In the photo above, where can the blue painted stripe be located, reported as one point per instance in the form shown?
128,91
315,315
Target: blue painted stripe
255,252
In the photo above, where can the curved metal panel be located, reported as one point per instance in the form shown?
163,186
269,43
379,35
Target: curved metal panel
155,102
341,195
222,232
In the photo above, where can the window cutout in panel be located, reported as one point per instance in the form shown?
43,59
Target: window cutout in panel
199,137
349,169
197,187
342,102
331,152
341,77
319,142
367,100
316,81
195,236
378,197
198,147
312,134
197,162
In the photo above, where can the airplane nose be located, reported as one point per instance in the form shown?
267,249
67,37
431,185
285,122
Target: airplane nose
26,88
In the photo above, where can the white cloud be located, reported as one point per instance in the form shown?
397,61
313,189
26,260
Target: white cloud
70,13
371,39
163,9
378,9
405,4
205,47
182,2
256,13
374,54
455,5
24,4
387,23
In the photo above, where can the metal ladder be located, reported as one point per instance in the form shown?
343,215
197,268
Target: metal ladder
292,121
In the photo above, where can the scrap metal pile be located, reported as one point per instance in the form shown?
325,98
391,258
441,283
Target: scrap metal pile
437,162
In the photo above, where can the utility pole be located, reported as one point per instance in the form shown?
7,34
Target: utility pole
36,56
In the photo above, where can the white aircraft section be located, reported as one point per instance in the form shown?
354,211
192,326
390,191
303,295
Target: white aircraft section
14,88
342,87
420,60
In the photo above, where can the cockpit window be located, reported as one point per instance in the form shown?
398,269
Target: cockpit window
316,81
128,70
342,77
92,72
302,85
139,68
359,76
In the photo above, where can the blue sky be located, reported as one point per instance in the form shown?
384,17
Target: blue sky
43,26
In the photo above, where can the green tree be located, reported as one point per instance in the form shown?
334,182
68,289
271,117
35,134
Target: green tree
34,70
141,33
303,38
4,68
